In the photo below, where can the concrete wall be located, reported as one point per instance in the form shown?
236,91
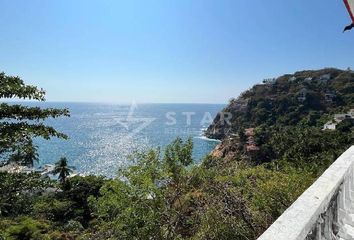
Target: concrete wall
325,211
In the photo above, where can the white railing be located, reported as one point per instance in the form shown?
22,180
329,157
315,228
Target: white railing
325,211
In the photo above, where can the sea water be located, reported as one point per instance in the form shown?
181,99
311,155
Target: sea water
102,137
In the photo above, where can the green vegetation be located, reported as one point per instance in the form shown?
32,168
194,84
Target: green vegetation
279,103
20,124
162,195
62,169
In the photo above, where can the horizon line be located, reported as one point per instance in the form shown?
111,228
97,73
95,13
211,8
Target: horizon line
103,102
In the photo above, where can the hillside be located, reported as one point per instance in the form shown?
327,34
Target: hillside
289,100
273,151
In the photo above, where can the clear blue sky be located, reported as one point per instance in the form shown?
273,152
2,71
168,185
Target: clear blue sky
203,51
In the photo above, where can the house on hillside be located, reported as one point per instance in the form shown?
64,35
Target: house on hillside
341,117
252,148
301,97
251,143
330,126
249,132
338,118
330,95
292,79
258,86
16,168
241,104
325,78
308,79
351,112
269,81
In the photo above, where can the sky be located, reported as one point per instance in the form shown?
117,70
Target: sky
167,51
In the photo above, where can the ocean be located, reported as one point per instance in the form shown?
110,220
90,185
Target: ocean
103,136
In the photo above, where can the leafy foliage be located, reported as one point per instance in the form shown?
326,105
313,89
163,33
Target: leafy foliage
278,104
62,169
20,124
26,229
144,201
17,191
163,195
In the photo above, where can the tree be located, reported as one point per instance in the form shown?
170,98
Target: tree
17,191
345,125
178,155
146,200
78,190
19,124
62,168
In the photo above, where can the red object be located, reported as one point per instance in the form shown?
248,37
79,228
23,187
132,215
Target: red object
350,6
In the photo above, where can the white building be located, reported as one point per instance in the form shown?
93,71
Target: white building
351,113
308,80
292,79
325,78
329,126
302,95
269,81
338,118
330,96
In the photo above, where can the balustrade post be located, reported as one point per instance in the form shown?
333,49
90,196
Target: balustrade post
325,211
319,228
